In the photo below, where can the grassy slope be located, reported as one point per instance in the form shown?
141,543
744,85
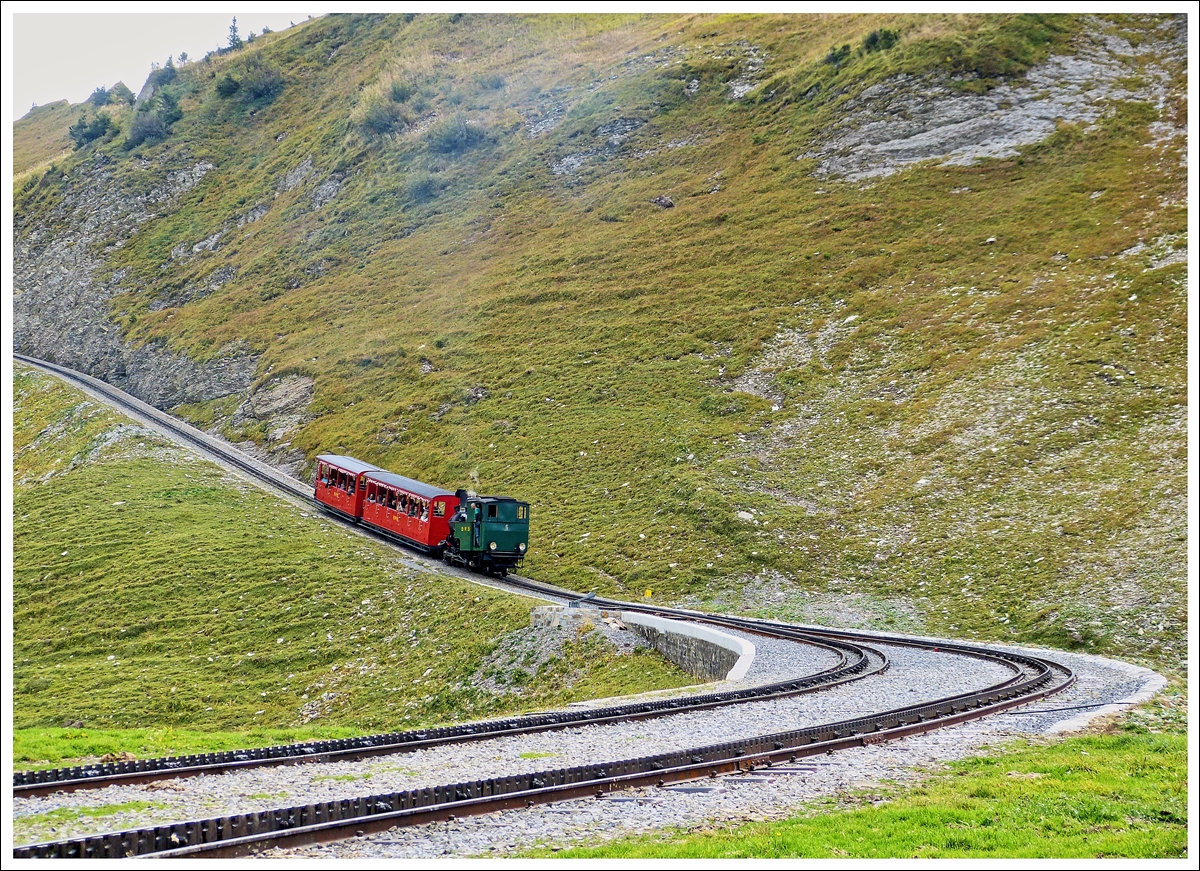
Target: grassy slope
153,594
41,136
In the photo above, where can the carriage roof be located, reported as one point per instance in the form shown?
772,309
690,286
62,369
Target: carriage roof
409,485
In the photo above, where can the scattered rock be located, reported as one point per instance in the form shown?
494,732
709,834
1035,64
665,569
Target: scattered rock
297,175
255,214
544,119
123,756
61,308
617,131
663,202
327,190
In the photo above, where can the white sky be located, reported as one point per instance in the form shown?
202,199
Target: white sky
66,54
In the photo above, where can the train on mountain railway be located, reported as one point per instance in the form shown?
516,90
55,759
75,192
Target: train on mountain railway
488,534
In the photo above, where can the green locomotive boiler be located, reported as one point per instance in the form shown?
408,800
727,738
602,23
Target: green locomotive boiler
488,533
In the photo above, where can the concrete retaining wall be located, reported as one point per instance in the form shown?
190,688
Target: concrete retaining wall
703,651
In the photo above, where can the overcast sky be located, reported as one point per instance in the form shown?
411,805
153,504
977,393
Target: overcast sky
65,55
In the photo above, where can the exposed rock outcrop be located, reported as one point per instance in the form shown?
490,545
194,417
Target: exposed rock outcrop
61,306
907,120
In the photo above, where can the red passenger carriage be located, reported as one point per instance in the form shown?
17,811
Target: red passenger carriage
413,512
339,484
401,508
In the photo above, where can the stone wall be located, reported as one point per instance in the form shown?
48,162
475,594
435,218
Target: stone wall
700,650
703,651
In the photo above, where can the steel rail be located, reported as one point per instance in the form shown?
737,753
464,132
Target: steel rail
48,781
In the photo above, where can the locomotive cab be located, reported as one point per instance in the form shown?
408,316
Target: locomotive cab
488,533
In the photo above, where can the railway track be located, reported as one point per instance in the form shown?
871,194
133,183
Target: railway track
855,662
1031,678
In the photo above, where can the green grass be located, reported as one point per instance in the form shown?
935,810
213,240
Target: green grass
53,747
57,823
162,606
1122,794
69,814
40,137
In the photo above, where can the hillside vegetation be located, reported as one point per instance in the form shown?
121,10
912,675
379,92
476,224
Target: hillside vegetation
41,136
667,278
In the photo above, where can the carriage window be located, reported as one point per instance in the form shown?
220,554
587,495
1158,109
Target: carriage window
391,497
439,509
491,511
522,512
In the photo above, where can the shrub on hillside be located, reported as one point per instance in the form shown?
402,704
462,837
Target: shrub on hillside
401,90
146,127
380,110
160,76
378,115
261,80
880,40
85,131
837,55
227,86
421,187
154,119
453,135
380,118
99,97
258,81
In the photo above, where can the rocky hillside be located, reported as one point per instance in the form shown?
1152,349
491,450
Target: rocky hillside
842,317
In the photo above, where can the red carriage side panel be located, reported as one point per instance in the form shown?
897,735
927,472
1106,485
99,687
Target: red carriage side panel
407,509
339,484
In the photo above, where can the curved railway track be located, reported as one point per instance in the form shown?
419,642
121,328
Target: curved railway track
855,662
1031,678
